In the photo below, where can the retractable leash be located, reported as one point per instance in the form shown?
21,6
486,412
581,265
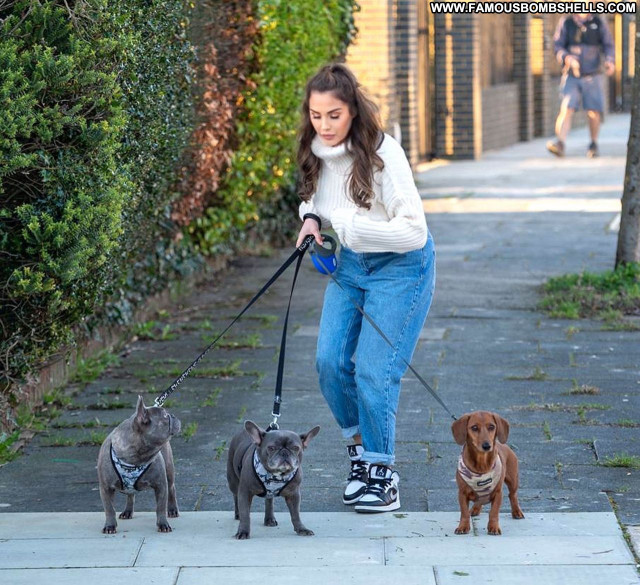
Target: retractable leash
299,253
324,260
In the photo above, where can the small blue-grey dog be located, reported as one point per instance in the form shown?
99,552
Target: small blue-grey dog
266,464
137,456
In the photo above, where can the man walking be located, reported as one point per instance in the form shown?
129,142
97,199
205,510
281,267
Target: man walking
579,42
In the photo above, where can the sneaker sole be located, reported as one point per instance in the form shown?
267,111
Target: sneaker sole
376,509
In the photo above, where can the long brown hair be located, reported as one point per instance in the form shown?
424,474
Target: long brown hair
364,137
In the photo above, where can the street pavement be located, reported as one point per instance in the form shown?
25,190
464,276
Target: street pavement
570,390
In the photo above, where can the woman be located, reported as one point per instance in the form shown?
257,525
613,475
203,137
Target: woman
357,180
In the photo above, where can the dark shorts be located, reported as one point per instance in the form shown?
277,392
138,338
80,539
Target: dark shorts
585,92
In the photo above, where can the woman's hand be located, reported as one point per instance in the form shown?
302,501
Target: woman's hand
309,227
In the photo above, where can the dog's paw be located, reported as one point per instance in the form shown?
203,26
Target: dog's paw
173,512
517,514
109,529
304,532
463,529
475,511
242,535
164,527
126,515
270,522
494,529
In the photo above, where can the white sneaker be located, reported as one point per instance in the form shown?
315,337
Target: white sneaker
381,493
357,480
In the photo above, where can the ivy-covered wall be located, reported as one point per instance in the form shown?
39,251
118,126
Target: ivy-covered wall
136,138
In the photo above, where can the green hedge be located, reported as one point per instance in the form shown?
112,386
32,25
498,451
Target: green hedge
296,37
95,111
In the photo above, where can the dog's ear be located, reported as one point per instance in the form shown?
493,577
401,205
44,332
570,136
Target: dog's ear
306,437
142,416
459,429
502,428
255,432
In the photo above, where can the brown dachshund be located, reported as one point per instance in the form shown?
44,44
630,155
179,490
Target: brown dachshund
485,464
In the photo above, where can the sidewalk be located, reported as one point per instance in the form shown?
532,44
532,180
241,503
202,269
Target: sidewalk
570,390
414,548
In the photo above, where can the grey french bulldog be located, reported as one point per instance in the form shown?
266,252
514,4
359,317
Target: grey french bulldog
135,456
266,464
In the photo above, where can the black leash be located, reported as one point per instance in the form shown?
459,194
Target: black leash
283,345
299,253
324,270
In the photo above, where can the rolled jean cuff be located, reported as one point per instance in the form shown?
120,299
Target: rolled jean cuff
350,432
373,457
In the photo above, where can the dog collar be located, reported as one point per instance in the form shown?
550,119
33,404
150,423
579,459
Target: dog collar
481,483
128,474
272,483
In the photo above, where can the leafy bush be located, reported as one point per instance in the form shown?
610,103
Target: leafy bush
61,119
97,173
294,39
94,117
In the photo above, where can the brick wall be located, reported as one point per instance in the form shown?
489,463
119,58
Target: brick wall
406,59
458,94
522,73
500,115
372,57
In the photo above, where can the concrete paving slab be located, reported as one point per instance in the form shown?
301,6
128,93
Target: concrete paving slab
514,550
375,575
534,575
44,553
101,576
300,551
628,505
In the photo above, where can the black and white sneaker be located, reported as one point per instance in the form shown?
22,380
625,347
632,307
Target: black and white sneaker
357,480
382,493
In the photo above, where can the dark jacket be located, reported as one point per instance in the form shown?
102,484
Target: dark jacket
585,40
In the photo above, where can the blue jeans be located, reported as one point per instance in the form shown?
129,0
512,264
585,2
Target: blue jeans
359,373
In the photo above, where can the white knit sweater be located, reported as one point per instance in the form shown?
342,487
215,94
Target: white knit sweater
395,222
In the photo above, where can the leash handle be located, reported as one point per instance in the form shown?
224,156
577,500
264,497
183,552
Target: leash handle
324,256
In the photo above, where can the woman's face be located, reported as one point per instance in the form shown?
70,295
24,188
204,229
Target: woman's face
330,117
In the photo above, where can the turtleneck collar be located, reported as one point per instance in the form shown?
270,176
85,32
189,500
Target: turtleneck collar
337,158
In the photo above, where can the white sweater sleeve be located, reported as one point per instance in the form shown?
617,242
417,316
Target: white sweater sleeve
307,207
406,228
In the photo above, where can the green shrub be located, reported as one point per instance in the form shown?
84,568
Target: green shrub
295,38
61,119
95,112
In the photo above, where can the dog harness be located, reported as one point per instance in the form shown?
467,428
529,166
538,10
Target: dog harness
128,474
272,483
481,483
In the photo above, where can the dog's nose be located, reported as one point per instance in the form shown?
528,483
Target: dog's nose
486,446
